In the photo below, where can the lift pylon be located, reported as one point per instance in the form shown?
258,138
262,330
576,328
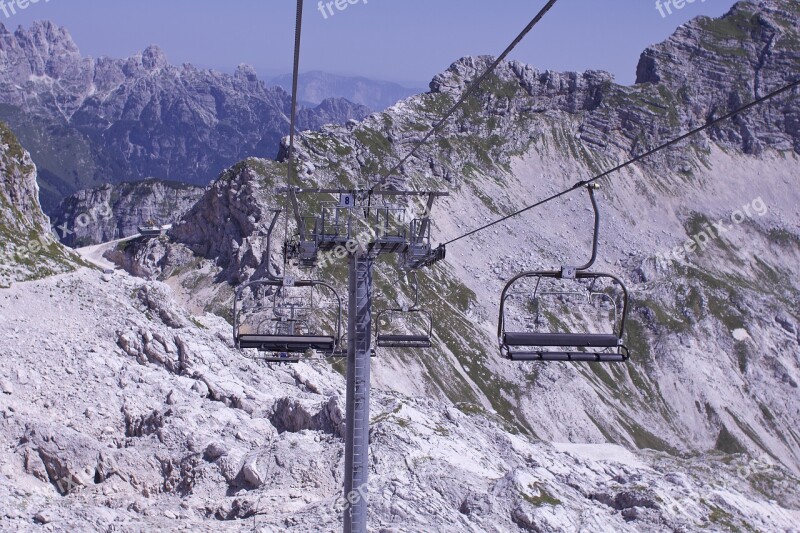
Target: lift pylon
361,225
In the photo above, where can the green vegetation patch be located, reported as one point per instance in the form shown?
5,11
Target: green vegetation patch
736,27
543,497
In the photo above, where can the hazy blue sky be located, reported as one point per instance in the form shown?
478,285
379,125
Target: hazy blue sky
407,41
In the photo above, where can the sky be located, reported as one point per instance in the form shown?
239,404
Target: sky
406,41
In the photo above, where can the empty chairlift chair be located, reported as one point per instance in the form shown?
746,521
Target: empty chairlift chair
386,337
283,337
521,343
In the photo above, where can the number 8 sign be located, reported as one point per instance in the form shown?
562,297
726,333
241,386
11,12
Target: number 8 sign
347,200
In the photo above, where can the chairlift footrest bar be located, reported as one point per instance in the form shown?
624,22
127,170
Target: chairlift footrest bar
343,355
585,357
288,359
286,343
403,341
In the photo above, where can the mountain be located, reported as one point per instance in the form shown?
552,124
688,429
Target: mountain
109,212
91,121
718,325
150,417
316,86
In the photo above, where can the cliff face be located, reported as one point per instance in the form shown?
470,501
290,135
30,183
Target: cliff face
716,65
19,192
111,212
27,248
89,121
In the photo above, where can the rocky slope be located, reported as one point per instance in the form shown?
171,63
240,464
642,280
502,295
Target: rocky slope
149,420
714,333
27,248
317,86
89,121
111,212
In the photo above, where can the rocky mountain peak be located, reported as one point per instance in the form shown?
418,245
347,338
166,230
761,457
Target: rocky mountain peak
227,222
742,42
47,37
38,51
183,124
154,58
246,72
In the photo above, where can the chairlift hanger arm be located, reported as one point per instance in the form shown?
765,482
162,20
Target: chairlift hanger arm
270,275
301,224
413,275
423,228
592,187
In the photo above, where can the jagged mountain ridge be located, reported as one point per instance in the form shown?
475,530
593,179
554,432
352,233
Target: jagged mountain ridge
528,134
90,121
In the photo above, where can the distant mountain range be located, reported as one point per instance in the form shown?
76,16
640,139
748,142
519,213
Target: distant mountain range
316,86
91,121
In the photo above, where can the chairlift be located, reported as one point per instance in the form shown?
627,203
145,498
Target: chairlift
404,316
286,333
519,345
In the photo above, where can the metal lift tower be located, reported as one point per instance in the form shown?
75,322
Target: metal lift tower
355,228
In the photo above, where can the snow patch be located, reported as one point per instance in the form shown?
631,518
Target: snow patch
602,452
740,334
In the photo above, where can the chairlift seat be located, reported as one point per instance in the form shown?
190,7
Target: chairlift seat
286,339
422,338
287,343
404,341
561,340
589,347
